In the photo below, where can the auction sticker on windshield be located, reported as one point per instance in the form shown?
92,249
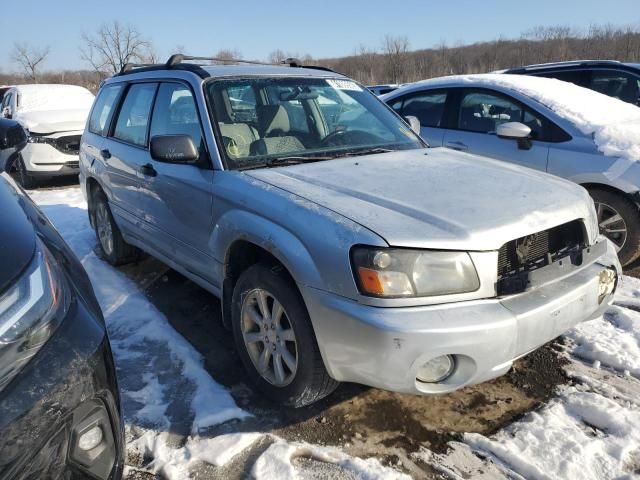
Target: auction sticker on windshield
344,85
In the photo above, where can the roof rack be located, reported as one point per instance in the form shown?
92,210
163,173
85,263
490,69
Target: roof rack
180,59
571,63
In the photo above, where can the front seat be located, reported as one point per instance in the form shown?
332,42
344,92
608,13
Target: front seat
274,127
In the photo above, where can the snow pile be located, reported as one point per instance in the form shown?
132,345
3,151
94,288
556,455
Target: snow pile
614,124
53,97
578,435
277,462
614,340
140,335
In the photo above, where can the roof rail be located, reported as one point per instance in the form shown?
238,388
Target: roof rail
569,63
179,58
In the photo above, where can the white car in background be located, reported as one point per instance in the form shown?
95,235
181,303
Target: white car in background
54,116
545,124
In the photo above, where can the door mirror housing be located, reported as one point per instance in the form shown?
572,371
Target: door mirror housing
13,139
414,123
513,130
173,149
516,131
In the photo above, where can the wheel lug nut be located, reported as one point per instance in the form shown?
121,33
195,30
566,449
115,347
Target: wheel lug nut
274,346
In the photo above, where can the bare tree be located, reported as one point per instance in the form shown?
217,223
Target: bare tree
29,58
227,55
395,50
113,46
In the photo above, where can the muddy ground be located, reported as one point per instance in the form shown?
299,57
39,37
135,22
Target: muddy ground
364,421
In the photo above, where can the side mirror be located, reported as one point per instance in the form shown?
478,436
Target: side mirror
414,123
13,139
173,149
6,112
515,131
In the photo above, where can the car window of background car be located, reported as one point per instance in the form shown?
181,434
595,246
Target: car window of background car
175,113
133,118
620,85
482,112
428,107
571,76
101,113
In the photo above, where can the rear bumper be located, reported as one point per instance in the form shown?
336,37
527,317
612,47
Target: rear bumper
70,383
385,347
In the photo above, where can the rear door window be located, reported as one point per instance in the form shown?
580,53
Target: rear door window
103,109
571,76
622,85
428,107
133,119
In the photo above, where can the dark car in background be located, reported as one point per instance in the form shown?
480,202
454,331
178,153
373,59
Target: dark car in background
59,402
610,77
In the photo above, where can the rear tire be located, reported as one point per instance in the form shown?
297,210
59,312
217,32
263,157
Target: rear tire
267,335
619,221
19,172
112,245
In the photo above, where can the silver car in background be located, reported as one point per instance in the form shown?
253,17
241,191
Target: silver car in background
341,248
545,124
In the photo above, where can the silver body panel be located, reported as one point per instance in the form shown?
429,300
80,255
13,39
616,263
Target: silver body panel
310,216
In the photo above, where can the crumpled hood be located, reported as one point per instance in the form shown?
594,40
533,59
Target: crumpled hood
52,121
437,198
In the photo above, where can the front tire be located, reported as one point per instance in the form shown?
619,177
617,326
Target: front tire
20,173
619,221
275,339
112,245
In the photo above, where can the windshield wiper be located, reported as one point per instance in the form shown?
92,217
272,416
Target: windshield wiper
294,160
367,151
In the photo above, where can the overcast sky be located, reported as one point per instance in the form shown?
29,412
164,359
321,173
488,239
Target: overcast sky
320,28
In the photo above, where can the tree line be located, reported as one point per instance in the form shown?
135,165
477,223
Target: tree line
115,44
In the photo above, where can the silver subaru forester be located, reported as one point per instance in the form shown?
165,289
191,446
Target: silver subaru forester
342,248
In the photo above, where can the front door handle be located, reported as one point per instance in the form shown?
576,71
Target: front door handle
459,146
148,170
106,154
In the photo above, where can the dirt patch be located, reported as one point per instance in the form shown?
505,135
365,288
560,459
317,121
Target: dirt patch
364,421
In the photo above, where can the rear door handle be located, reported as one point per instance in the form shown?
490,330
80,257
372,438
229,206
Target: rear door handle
459,146
148,170
106,154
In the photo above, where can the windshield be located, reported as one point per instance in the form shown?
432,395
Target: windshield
267,121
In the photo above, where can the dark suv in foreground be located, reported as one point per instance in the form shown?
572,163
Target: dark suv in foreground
59,403
616,79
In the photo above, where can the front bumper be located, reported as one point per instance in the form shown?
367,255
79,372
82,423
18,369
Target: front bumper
69,384
45,160
385,347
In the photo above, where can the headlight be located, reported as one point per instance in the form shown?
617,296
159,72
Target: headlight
398,272
30,310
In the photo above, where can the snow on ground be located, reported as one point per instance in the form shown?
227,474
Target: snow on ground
614,124
159,373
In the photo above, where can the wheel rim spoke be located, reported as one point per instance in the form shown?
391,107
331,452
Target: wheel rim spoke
254,337
279,368
276,312
262,304
263,363
615,218
255,316
288,335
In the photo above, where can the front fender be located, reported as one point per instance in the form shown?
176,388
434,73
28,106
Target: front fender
282,244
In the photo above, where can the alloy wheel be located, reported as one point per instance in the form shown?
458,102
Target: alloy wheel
611,224
269,337
103,224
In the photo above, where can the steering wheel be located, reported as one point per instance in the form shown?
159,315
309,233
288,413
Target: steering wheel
349,137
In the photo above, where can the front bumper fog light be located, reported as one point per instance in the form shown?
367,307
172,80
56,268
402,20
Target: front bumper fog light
607,280
91,438
436,370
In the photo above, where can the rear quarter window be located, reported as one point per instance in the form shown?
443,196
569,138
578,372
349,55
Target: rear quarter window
103,109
